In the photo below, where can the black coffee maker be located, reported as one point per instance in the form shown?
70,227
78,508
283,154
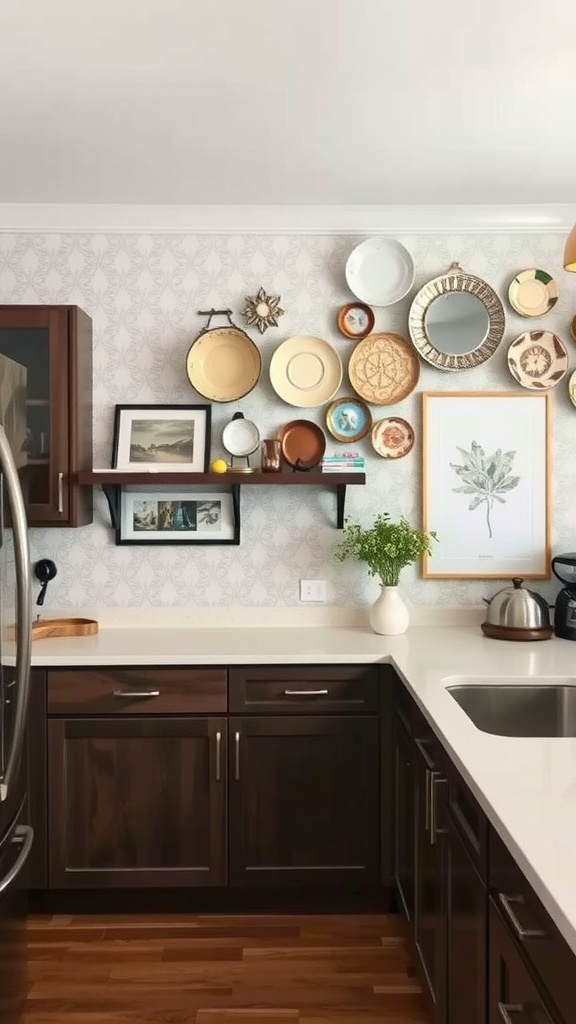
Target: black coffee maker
564,568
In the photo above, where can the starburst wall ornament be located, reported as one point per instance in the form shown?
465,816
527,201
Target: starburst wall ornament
262,310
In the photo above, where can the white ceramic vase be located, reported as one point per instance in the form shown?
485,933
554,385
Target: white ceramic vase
389,615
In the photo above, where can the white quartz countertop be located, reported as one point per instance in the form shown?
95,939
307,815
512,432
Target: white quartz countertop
527,787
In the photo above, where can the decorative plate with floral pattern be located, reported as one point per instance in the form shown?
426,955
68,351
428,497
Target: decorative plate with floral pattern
392,438
538,360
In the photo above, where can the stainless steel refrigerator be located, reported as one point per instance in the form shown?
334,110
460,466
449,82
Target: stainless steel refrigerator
16,835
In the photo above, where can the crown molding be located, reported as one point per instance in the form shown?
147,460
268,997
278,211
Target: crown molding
318,220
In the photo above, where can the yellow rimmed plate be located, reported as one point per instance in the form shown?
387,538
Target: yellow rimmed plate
533,292
223,364
392,438
305,371
384,368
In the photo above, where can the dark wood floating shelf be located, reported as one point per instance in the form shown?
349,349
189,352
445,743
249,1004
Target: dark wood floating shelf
112,481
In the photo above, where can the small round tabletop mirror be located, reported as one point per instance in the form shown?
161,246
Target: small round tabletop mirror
457,323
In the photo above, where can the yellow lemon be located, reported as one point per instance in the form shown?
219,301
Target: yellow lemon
218,466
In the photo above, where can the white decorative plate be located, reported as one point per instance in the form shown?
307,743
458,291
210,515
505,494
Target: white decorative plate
392,438
305,371
240,437
572,388
380,271
533,292
538,360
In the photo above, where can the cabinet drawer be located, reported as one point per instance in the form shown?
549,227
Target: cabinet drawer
551,960
137,691
320,689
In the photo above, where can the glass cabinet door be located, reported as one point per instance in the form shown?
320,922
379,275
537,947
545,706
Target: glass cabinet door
36,338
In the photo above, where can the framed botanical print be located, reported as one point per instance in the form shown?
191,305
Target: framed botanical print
486,484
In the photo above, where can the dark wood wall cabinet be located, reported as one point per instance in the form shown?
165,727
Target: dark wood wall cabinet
52,347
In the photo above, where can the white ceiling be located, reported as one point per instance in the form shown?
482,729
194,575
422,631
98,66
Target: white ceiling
288,101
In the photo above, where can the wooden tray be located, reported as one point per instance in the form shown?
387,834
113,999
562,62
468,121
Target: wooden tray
44,628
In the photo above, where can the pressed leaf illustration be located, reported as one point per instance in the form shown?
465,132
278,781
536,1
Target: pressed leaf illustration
485,477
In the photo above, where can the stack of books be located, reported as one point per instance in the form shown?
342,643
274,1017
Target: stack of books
344,462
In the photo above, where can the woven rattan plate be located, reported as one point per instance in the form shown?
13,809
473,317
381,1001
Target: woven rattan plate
384,368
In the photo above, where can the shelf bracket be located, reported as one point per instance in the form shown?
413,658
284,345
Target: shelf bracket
340,505
236,504
113,497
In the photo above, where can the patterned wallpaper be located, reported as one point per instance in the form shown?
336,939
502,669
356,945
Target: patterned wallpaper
143,292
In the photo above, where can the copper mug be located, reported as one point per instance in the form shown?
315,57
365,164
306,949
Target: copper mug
271,456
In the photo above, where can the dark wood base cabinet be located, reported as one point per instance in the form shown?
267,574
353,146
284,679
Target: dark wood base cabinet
303,801
513,996
137,802
152,782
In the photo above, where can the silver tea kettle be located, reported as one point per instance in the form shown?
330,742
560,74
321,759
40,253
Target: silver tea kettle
516,613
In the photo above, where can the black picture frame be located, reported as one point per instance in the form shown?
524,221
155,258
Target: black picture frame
164,515
162,438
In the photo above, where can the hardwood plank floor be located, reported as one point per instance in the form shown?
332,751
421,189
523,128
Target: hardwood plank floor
221,969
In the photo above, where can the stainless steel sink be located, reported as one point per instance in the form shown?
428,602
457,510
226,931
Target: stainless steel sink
518,709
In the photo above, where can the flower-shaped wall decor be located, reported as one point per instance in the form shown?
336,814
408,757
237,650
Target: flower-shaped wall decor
262,310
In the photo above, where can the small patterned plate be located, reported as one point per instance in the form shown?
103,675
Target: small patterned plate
355,320
392,438
538,360
384,368
533,292
572,388
573,328
348,419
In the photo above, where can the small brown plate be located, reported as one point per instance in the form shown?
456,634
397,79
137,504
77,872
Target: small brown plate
355,320
303,444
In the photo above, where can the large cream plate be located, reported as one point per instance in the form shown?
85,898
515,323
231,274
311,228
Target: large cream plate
384,368
538,360
223,364
533,292
305,371
380,271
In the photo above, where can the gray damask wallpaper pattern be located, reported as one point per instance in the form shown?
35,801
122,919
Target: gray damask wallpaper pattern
143,292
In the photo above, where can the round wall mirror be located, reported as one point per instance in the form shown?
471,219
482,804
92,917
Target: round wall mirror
456,321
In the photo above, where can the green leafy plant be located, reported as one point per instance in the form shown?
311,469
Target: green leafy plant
385,547
486,477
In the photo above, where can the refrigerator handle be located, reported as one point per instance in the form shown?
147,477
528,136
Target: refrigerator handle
23,610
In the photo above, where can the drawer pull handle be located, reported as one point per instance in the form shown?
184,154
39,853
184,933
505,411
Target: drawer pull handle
521,932
305,693
427,781
218,754
136,693
434,830
60,493
237,756
506,1009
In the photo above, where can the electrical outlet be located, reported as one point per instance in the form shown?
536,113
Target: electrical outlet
313,590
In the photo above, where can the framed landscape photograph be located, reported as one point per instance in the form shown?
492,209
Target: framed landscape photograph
164,516
486,484
164,438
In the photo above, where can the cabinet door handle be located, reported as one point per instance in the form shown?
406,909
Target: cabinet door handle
505,1009
427,781
521,932
60,492
305,693
237,756
136,693
435,779
218,755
